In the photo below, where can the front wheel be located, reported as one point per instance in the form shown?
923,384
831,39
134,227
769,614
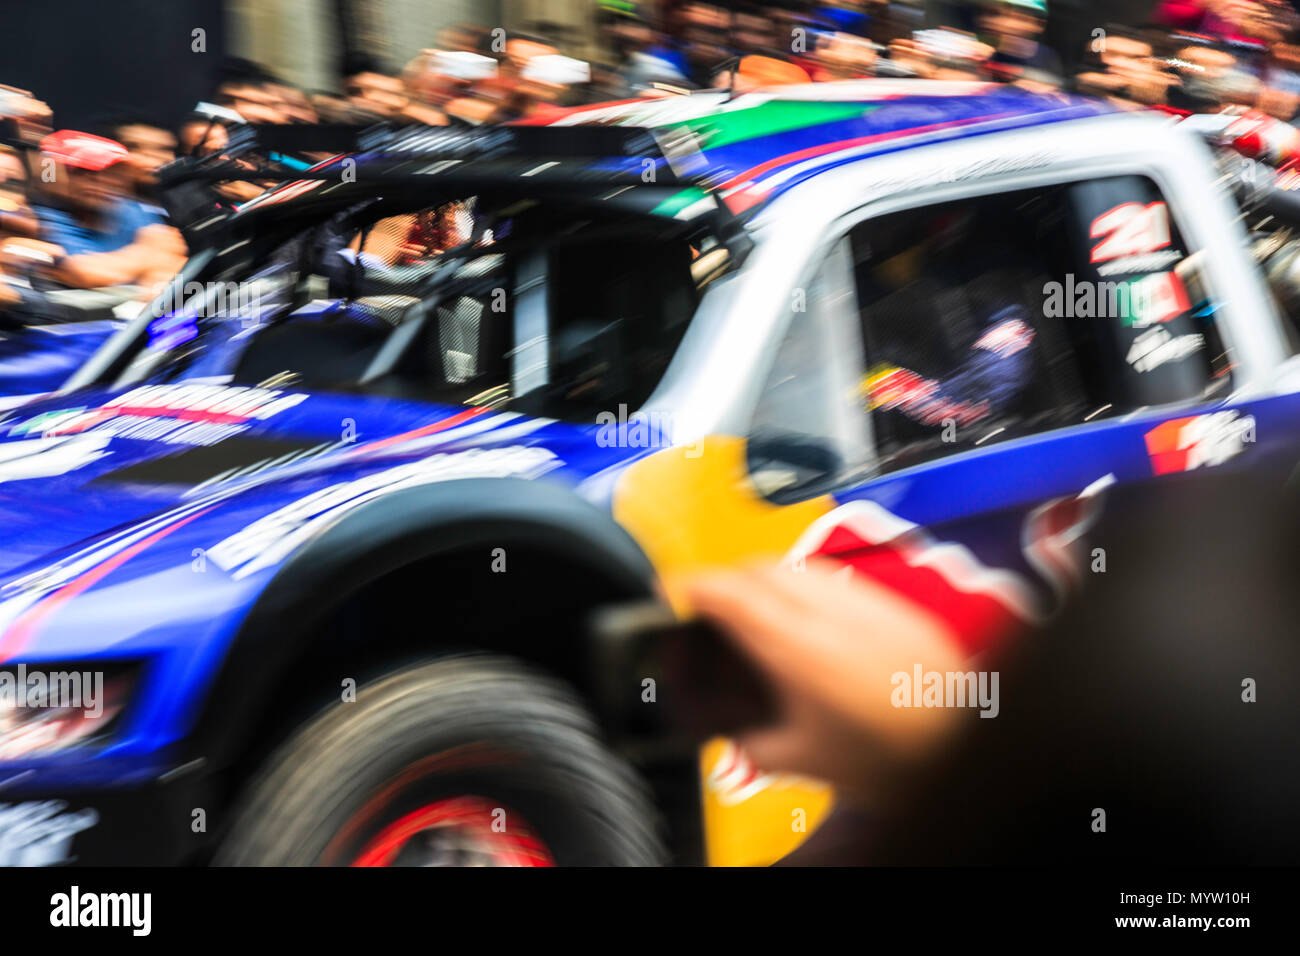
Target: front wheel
462,761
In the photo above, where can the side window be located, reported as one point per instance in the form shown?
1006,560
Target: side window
808,431
1004,315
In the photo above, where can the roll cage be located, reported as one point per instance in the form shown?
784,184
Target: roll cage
596,173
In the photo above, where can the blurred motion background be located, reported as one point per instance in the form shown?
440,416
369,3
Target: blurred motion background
87,59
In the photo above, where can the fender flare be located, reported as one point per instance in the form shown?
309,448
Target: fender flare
378,538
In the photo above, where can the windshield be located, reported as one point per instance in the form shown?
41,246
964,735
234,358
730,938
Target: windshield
521,306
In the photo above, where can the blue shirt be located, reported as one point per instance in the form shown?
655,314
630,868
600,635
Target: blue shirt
672,55
121,223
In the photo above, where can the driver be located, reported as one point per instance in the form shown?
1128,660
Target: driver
984,385
933,293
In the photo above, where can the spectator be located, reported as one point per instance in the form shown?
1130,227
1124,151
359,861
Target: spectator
254,102
201,135
375,95
843,56
250,91
294,103
754,33
523,84
16,216
705,45
946,55
848,17
1128,73
330,107
101,237
632,41
1015,28
148,148
192,202
29,116
1280,95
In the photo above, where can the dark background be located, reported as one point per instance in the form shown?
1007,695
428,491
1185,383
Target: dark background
91,59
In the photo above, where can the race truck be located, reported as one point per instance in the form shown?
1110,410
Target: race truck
300,571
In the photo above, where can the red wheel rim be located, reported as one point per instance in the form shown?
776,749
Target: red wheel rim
470,822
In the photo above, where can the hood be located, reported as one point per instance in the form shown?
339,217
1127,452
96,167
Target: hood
78,470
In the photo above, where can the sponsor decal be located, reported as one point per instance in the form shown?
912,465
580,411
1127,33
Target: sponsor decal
979,602
1156,298
272,538
48,457
39,424
40,833
38,594
733,778
87,565
945,577
1149,262
1006,338
1053,537
960,173
1287,178
899,388
176,414
1156,346
1130,229
1182,444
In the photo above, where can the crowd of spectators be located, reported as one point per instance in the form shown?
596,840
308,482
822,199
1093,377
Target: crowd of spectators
80,208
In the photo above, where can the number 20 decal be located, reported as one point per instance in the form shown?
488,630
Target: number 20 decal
1130,229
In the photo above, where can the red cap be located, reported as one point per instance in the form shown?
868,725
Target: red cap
83,150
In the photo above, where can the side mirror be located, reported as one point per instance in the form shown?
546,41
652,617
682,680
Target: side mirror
787,467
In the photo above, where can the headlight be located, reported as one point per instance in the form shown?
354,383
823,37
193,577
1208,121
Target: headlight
46,709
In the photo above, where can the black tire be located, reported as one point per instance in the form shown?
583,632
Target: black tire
477,727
